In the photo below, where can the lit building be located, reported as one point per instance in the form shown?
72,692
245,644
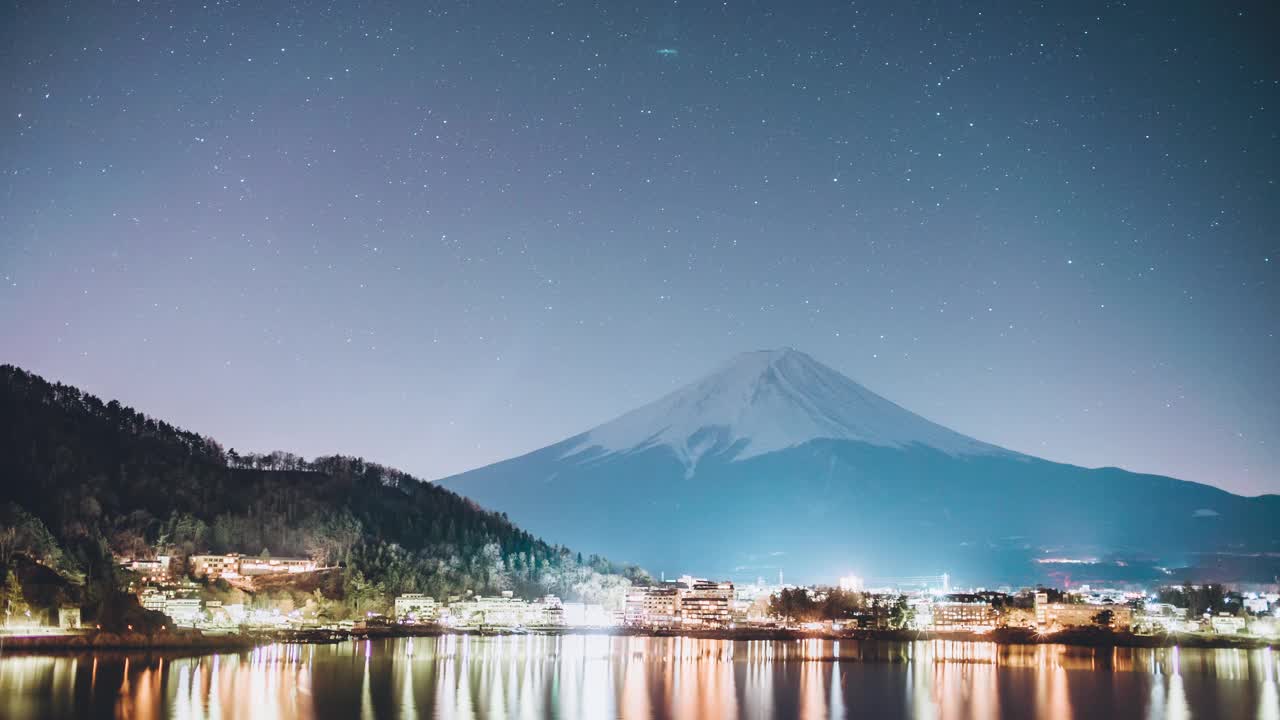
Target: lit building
152,599
921,613
963,616
1264,627
1163,617
275,565
1257,605
696,603
236,565
504,611
1227,624
707,604
215,566
1057,616
546,612
157,569
654,606
1042,609
184,611
416,607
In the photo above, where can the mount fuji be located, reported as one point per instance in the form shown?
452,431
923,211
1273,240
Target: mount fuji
777,462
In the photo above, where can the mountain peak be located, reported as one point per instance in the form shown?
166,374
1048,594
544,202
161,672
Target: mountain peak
763,359
768,400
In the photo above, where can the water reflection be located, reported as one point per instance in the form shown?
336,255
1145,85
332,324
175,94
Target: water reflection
601,677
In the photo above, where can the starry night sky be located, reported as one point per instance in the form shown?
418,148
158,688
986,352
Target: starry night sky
440,234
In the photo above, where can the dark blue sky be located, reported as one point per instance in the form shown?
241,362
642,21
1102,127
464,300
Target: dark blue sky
440,234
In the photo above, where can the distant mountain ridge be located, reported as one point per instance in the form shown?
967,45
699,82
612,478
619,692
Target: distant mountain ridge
777,462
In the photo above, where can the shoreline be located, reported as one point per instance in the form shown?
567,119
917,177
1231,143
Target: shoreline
94,641
199,643
1082,637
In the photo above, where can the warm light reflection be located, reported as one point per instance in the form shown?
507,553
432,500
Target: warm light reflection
575,676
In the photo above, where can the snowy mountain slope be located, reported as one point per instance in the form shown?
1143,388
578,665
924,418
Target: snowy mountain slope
771,400
777,462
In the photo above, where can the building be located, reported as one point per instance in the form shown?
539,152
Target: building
275,565
416,607
234,565
1257,605
545,612
1051,617
154,570
184,611
215,566
1016,617
1227,624
1163,617
707,604
502,611
1264,627
654,606
1065,615
1042,609
963,616
153,599
693,603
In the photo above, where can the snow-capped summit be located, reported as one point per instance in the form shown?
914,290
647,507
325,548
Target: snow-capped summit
771,400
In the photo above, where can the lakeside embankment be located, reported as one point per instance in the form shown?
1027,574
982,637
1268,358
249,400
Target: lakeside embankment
94,640
1080,637
196,641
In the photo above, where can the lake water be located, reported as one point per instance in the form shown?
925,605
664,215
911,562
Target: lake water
625,677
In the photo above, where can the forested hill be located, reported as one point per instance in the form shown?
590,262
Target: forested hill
81,479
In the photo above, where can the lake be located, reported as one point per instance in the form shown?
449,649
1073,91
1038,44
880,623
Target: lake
580,676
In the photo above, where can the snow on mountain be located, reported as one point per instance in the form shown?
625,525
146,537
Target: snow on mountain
771,400
722,478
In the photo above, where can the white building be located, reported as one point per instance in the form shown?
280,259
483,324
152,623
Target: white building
157,569
153,599
1264,627
185,611
275,565
1226,624
416,607
654,606
504,611
234,565
215,566
1257,605
1163,617
547,611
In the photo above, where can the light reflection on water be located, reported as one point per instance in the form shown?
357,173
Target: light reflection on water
604,677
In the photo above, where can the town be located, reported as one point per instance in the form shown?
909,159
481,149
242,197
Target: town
235,592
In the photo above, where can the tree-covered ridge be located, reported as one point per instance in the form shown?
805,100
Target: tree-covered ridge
102,478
